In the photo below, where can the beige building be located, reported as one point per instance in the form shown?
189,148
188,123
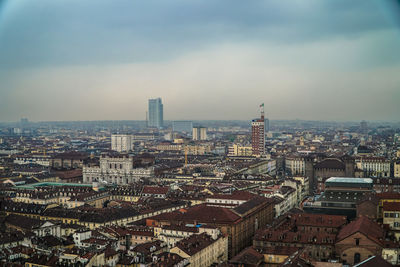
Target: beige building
238,150
198,149
396,167
199,133
171,234
391,217
305,185
391,255
374,166
296,165
202,250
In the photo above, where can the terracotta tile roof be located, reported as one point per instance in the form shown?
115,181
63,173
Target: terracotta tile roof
155,190
373,262
279,250
201,214
167,259
182,228
391,206
330,164
365,226
388,195
145,248
23,222
195,243
69,174
43,260
248,256
321,220
285,236
251,204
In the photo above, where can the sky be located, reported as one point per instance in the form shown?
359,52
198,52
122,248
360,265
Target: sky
102,60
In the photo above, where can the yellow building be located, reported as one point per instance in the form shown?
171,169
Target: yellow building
396,167
386,198
202,250
41,261
238,150
391,217
274,256
198,149
391,255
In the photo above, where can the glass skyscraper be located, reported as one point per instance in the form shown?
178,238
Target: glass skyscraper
156,113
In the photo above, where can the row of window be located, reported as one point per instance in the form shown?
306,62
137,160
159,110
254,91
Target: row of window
392,215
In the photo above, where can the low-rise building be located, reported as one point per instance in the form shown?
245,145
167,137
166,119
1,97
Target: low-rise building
359,240
391,217
202,250
237,150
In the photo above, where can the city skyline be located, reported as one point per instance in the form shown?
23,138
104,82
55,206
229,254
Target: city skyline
311,60
200,133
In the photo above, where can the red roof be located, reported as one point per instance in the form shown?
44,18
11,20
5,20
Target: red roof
248,256
365,226
391,206
320,220
388,195
155,190
201,214
195,243
69,174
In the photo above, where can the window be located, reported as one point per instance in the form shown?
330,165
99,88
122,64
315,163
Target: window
357,241
357,258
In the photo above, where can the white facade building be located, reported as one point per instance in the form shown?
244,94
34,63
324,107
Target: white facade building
374,166
296,165
121,142
35,159
115,170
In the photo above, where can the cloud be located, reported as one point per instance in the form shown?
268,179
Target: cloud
84,60
99,32
224,82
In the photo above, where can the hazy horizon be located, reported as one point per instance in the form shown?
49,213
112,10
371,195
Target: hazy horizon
208,60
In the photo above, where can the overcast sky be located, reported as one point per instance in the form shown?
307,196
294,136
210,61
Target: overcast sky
206,59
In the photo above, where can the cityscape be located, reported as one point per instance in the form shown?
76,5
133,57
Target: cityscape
199,134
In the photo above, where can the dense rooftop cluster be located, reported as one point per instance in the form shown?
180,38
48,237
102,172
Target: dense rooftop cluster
317,195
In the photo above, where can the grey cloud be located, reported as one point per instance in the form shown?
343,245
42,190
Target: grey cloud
105,58
92,32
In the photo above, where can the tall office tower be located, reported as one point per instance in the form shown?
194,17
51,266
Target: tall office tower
199,133
364,127
121,142
258,134
156,113
182,126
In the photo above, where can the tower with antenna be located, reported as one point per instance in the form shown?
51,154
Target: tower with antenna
258,134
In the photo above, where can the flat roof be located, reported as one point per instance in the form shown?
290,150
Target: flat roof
349,180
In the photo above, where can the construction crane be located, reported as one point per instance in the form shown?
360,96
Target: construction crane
186,152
